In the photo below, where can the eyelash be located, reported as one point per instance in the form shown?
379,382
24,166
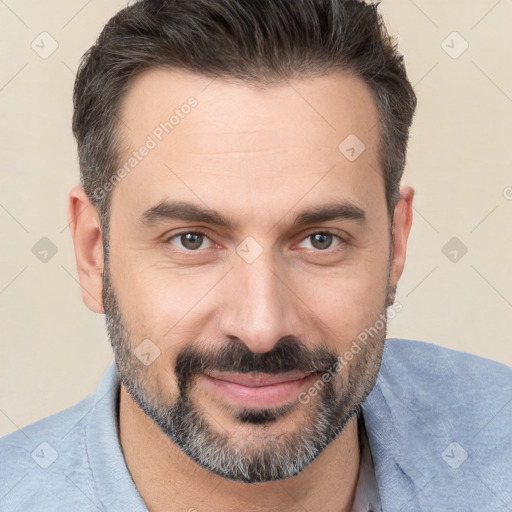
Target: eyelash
203,233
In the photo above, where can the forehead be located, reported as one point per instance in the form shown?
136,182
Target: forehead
333,106
211,138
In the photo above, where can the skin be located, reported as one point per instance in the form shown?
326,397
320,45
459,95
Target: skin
258,156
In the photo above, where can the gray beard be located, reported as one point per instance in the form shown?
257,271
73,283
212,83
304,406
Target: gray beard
260,456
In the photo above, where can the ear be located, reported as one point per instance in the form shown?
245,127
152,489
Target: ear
402,221
85,227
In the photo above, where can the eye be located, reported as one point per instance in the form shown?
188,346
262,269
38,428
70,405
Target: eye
190,240
321,240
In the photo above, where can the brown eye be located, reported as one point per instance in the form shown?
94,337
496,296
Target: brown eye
190,241
321,240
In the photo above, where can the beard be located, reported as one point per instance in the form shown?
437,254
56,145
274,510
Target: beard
260,453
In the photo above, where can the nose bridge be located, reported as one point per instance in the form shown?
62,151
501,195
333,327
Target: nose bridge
257,307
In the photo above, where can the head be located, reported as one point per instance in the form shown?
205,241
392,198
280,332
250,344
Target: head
240,213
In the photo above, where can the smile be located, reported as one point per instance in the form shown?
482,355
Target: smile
257,390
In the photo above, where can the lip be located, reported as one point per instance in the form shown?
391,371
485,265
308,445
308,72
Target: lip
257,390
256,380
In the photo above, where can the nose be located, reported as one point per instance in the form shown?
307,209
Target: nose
258,306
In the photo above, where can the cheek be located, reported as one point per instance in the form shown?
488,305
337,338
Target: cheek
346,303
161,305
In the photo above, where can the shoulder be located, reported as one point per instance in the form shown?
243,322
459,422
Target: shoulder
40,461
55,426
439,421
436,366
438,380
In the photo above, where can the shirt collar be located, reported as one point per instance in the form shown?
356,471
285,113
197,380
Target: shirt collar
367,497
407,432
115,487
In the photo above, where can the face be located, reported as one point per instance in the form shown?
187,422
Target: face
247,254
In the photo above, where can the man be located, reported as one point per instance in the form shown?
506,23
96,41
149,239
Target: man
240,224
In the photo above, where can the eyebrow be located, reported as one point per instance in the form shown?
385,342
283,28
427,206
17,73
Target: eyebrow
182,210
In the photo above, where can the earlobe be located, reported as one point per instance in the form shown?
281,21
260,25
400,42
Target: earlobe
86,232
402,222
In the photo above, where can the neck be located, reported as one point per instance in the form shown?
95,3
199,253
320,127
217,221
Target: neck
169,480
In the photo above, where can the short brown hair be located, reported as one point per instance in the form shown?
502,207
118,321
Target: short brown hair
256,41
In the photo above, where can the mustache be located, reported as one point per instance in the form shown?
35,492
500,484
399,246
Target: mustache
288,354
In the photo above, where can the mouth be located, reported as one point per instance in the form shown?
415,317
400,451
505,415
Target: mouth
257,390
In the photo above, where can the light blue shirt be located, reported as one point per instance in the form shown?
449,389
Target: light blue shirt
439,426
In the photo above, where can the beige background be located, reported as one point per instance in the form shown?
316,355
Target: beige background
54,349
